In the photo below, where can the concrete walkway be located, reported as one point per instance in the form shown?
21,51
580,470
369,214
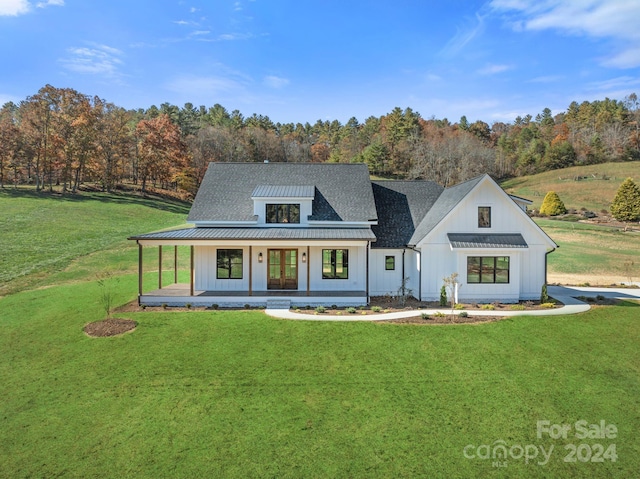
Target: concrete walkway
565,294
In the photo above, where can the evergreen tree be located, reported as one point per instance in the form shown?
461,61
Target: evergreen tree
626,204
552,205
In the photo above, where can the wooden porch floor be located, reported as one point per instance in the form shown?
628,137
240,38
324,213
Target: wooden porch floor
182,290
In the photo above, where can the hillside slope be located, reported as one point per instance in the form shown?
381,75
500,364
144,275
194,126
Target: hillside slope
43,234
592,187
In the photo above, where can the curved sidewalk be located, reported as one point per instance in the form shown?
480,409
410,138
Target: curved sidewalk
564,294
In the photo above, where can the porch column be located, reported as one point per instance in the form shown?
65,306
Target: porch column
160,267
250,271
139,271
175,264
191,275
308,271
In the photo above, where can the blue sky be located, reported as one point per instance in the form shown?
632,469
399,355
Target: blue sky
299,61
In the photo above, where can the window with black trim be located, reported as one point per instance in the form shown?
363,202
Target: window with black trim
484,216
283,213
229,262
487,269
335,264
389,263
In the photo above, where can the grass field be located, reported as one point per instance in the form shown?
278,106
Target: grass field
592,254
239,394
42,235
592,193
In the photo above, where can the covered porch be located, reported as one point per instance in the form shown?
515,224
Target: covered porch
303,267
180,294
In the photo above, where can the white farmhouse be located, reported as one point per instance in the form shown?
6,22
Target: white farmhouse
325,234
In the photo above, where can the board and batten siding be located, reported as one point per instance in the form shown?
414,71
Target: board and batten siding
527,265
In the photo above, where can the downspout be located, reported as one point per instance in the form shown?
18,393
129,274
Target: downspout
546,259
403,271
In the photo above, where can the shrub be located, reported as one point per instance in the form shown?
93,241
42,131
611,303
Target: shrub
247,306
600,297
544,295
438,314
626,204
459,306
443,296
164,306
489,307
518,307
425,316
188,305
548,305
464,314
351,310
334,306
215,306
552,205
320,309
376,309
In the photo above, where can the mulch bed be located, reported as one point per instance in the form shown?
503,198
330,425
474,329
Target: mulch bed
447,319
109,327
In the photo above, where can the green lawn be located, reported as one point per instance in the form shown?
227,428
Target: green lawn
42,235
239,394
594,254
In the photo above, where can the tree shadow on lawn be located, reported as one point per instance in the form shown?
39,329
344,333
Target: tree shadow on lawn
150,200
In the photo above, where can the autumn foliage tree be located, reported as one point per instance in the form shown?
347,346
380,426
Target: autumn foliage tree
162,155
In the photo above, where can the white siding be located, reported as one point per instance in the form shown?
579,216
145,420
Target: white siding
206,267
357,280
381,281
527,266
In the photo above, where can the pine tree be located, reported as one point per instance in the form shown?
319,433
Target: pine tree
552,205
626,204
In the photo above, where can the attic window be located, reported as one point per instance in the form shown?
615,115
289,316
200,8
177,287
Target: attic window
484,216
283,213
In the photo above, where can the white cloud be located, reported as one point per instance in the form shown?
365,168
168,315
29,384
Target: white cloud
19,7
607,19
211,86
96,60
14,7
493,69
273,81
547,79
48,3
463,36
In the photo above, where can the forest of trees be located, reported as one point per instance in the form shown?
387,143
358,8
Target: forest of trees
60,137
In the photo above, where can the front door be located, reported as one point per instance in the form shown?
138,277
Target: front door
283,269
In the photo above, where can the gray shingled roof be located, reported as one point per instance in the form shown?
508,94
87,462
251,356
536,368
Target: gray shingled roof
364,234
401,206
342,192
283,191
448,200
497,240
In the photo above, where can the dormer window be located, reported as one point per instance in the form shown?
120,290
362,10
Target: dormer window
283,213
484,216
